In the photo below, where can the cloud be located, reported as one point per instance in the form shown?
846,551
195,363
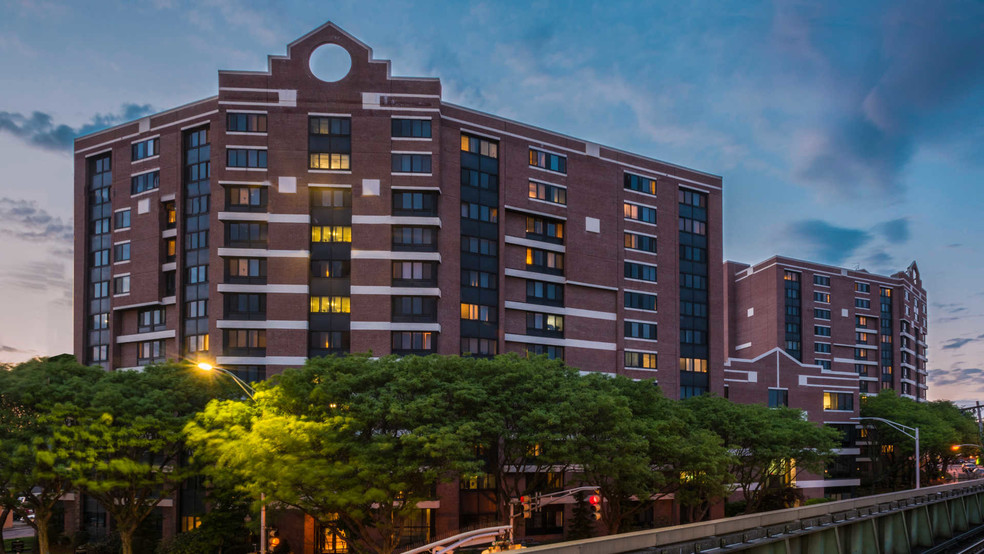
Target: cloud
829,243
40,130
953,344
964,376
11,350
49,277
895,231
915,89
24,220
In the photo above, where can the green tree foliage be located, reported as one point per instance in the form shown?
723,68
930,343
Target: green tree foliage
349,440
763,441
124,442
33,464
941,425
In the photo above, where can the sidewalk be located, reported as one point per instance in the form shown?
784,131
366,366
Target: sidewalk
18,530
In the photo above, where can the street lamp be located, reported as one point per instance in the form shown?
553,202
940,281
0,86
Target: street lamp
911,432
251,393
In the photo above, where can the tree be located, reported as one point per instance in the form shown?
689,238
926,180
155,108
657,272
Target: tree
764,442
353,442
33,465
125,443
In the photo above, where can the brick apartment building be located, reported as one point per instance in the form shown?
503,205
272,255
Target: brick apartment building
290,217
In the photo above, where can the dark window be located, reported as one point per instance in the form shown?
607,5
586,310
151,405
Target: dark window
244,198
551,352
121,219
330,143
145,149
640,184
144,182
862,303
414,203
821,280
411,128
639,330
690,225
411,163
862,287
246,270
246,235
196,308
479,347
121,284
693,253
100,226
331,269
245,306
197,240
542,292
822,347
322,197
778,398
547,160
121,252
330,341
642,272
548,193
246,122
246,157
151,319
100,289
479,212
821,314
245,342
415,274
821,330
149,352
821,297
640,301
197,274
414,342
414,308
415,239
479,279
483,247
692,198
100,258
693,281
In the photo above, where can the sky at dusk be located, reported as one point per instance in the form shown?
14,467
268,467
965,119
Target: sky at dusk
849,133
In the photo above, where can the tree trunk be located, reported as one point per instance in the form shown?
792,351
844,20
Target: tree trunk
3,519
41,526
126,540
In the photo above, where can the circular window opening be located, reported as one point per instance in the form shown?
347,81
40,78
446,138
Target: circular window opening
330,62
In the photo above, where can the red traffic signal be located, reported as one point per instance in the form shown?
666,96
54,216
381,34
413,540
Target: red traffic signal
594,500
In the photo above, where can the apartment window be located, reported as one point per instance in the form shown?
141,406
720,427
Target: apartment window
838,401
821,280
121,252
862,303
411,163
821,330
244,198
245,306
410,342
640,184
544,260
144,149
244,235
169,282
547,160
198,240
548,193
100,258
642,243
245,342
331,233
640,330
778,398
415,239
479,212
246,122
416,273
825,364
479,279
540,228
822,347
144,182
197,274
693,336
690,225
100,226
693,281
480,146
335,341
636,212
821,313
640,360
414,308
100,353
170,215
692,198
121,219
478,312
331,305
821,297
484,247
196,343
862,287
861,321
196,308
414,203
411,128
544,324
170,249
99,196
693,254
551,352
861,354
792,328
246,157
693,309
100,321
697,365
479,347
886,293
541,292
100,289
330,143
121,285
246,270
151,319
330,269
640,301
639,271
325,197
792,293
862,338
149,352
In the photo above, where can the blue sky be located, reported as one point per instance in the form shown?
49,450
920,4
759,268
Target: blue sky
848,133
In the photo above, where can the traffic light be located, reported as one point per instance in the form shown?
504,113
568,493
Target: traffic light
527,508
595,501
273,539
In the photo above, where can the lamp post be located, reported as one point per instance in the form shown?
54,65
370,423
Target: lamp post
252,396
911,432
